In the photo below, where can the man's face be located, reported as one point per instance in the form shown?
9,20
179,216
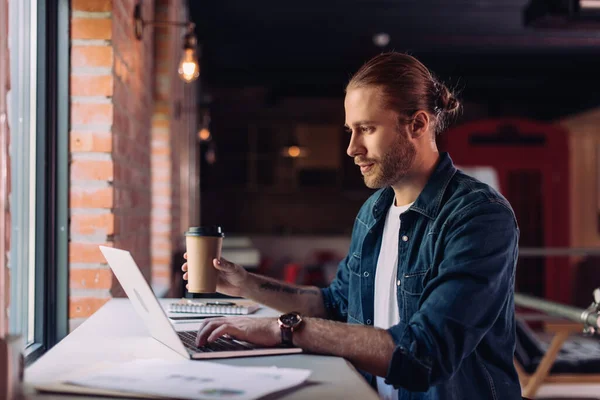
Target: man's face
378,144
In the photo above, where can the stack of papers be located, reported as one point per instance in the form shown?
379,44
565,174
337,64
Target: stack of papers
186,379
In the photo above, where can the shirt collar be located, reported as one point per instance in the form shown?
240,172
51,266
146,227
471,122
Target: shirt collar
429,200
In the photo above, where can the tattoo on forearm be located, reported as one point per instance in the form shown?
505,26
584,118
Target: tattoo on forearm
276,287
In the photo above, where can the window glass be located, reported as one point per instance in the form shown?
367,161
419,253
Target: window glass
22,122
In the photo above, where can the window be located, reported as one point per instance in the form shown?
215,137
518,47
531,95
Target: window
22,122
38,111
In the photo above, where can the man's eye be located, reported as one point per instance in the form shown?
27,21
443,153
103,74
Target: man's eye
348,131
366,129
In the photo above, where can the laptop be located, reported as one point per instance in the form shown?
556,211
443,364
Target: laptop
149,309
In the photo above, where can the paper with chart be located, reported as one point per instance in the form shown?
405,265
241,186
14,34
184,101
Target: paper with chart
186,379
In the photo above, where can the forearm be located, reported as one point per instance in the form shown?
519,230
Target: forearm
285,297
369,349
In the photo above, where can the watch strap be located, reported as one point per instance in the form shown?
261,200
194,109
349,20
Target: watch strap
287,336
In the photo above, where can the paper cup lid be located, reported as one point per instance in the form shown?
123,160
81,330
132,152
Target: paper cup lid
205,231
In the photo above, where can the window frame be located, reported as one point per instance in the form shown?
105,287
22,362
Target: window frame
54,264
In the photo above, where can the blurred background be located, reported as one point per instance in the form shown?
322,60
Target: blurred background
125,122
273,76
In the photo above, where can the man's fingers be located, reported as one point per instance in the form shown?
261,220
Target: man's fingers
185,255
184,267
223,265
224,329
207,327
202,332
201,327
202,323
185,276
187,286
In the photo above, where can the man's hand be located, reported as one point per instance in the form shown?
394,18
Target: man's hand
231,277
260,331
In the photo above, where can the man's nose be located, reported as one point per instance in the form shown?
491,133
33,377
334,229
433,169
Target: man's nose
354,147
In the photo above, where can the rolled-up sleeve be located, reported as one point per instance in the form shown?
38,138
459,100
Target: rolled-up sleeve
462,302
335,296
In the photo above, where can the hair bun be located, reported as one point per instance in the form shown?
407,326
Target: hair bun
446,100
452,104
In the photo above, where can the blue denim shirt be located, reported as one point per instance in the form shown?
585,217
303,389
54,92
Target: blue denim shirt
457,255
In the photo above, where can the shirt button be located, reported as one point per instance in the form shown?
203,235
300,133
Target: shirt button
366,274
405,238
368,322
398,282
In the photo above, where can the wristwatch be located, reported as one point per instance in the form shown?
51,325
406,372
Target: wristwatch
288,323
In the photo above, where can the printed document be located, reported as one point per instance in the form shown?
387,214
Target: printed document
187,379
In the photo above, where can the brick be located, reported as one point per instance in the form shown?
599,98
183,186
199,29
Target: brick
162,108
83,197
163,219
92,5
101,170
91,56
100,142
163,268
161,123
93,224
90,113
161,191
161,151
161,274
166,246
161,260
161,165
91,28
163,47
162,6
92,85
86,252
90,278
83,307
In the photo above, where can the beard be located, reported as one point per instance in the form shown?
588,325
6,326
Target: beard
393,166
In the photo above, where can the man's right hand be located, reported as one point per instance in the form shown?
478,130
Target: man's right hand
231,279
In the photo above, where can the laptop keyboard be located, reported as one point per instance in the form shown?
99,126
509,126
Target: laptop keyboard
221,344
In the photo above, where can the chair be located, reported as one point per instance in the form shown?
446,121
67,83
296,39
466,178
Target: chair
566,359
292,272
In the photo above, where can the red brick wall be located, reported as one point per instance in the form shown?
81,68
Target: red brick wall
92,169
4,169
125,143
164,210
133,105
174,126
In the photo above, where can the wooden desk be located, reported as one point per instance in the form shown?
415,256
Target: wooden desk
116,333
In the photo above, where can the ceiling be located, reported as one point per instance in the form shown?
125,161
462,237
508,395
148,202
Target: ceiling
481,46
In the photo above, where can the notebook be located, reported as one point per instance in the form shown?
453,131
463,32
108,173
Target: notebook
213,307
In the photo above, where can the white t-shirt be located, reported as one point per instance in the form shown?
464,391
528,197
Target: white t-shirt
386,299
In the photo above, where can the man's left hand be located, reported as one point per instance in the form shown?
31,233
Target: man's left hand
260,331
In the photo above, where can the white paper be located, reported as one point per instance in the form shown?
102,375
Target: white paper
186,379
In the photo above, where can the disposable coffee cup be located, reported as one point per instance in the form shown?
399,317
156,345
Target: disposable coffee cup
203,245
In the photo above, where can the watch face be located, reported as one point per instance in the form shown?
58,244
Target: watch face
290,319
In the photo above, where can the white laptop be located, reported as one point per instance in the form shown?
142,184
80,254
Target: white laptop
149,309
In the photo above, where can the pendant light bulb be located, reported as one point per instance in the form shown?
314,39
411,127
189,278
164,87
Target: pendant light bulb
189,69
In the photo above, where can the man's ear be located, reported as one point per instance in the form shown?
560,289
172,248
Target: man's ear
419,125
